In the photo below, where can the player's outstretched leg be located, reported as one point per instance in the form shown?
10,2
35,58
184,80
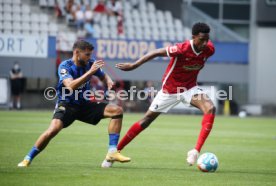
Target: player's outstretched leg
206,106
28,158
138,127
114,128
42,141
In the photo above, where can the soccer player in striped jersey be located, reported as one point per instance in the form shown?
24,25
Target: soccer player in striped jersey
74,76
179,85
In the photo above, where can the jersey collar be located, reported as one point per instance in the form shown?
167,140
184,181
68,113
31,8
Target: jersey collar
192,45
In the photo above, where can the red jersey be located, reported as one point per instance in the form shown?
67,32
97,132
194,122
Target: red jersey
184,66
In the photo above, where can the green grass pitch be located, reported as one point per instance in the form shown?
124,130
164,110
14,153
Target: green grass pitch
246,149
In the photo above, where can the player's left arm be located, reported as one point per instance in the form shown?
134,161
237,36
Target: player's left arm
107,80
161,52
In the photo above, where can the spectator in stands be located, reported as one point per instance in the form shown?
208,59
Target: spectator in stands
114,8
88,17
57,8
88,14
69,7
134,4
100,7
16,77
79,19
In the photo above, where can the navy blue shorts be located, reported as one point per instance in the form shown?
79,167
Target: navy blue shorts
90,112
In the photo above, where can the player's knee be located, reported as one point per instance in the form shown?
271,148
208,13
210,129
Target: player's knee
211,109
117,112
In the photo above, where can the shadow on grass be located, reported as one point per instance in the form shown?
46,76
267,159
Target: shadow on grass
188,169
192,169
240,172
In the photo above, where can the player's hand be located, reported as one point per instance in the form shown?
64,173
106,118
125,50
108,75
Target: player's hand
125,66
96,65
109,84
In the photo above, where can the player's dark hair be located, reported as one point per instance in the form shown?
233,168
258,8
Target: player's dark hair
200,28
83,45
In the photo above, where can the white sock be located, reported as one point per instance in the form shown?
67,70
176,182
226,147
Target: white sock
112,149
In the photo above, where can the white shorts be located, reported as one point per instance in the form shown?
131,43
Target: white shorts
164,102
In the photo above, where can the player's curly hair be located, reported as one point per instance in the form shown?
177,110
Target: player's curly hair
200,28
83,45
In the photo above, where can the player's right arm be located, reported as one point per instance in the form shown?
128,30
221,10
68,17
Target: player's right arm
161,52
73,84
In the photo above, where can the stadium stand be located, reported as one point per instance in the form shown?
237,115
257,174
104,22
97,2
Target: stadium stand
17,18
141,22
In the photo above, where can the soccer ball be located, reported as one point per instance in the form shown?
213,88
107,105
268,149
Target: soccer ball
207,162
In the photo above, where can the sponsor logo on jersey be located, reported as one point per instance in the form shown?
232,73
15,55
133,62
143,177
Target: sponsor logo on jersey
63,72
173,49
192,67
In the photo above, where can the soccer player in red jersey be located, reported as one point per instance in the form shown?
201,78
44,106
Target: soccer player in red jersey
179,85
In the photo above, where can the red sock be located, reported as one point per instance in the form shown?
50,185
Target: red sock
134,130
207,124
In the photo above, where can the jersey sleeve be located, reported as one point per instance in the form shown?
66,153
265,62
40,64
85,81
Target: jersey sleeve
64,72
174,50
99,73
